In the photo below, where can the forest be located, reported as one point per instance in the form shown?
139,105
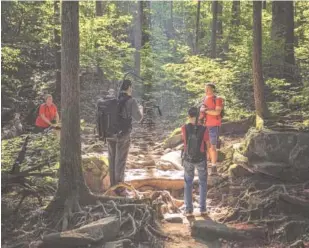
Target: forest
55,189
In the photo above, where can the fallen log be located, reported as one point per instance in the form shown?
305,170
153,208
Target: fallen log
209,230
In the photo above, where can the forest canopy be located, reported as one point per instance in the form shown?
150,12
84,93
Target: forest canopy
178,47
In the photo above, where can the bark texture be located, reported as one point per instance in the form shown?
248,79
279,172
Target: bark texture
57,40
282,33
258,80
197,27
99,8
71,183
213,42
235,13
138,37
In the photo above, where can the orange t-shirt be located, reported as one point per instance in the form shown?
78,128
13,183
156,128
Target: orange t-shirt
212,120
49,112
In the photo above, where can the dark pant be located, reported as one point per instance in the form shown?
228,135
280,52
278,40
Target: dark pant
189,177
118,151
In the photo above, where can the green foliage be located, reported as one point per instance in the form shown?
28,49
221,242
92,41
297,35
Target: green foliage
10,58
103,40
173,75
41,149
195,71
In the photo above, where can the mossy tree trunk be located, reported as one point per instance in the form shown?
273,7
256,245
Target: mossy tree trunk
258,80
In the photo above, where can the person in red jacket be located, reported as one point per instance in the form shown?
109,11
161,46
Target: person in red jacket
48,115
194,137
211,113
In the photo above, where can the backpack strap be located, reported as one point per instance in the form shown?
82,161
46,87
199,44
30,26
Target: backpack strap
122,104
215,103
187,132
196,120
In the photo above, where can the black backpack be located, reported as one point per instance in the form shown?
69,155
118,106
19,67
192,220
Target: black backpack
194,139
110,121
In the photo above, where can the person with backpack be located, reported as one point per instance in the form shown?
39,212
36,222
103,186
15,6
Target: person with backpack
211,112
47,115
114,120
195,137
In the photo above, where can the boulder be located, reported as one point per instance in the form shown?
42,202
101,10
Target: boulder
95,169
174,139
173,218
236,170
174,158
165,165
277,170
180,147
147,162
214,180
239,158
102,230
290,148
167,150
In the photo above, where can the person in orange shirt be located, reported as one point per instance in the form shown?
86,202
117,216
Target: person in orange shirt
211,113
48,115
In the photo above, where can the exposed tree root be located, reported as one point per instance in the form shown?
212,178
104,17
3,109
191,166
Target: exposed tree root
136,215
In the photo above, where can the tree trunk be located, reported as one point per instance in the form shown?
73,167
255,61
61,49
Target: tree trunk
282,33
172,18
220,26
99,8
71,182
278,27
197,26
258,81
289,41
264,4
213,43
57,48
138,38
145,22
169,24
235,14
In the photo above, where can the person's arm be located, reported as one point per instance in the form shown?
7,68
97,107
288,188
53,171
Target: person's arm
137,113
217,110
57,117
45,119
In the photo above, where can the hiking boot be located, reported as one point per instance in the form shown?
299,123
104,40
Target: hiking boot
213,170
